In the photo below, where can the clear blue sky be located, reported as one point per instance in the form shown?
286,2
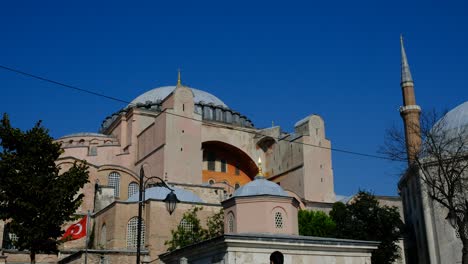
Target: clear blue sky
272,61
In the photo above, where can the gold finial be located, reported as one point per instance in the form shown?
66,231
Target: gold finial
179,83
260,172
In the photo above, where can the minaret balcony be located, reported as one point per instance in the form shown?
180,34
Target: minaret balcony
410,107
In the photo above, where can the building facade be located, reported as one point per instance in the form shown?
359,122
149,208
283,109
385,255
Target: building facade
199,146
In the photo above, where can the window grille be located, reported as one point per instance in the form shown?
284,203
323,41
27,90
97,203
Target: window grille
231,223
114,181
186,225
132,189
132,231
278,220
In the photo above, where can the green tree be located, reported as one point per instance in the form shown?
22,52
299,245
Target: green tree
215,225
188,232
191,231
365,219
315,223
34,198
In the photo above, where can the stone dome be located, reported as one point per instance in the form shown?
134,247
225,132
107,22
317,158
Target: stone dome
210,107
260,186
160,193
158,94
456,120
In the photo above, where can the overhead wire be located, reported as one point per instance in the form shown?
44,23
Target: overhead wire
34,76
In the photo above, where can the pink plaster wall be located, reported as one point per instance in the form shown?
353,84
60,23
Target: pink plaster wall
256,214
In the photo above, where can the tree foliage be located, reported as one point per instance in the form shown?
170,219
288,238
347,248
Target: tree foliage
34,198
215,225
192,231
315,223
365,219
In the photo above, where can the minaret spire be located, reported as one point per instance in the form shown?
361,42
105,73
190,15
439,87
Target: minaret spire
410,111
405,69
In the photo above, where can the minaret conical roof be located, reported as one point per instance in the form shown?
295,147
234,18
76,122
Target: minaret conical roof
405,69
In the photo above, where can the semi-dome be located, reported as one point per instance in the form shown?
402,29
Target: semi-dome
160,193
260,186
158,94
456,120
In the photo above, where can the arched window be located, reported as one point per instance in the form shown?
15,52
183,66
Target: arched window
237,186
278,220
132,189
211,181
219,114
230,222
277,258
103,239
114,181
207,113
132,231
186,225
228,117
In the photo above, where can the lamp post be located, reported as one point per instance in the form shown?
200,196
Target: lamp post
171,203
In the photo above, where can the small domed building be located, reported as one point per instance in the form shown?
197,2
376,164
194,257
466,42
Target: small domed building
260,219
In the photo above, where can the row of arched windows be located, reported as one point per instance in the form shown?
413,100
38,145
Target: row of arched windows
132,228
132,231
114,181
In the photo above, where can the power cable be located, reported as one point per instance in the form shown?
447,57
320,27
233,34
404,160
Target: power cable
193,119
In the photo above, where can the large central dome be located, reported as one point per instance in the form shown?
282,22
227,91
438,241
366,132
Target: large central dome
455,122
158,94
457,118
210,107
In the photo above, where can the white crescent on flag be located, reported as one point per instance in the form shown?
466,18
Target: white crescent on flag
79,227
77,230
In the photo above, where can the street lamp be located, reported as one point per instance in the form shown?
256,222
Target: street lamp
171,203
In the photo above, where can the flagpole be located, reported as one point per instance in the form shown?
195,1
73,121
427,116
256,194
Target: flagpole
86,240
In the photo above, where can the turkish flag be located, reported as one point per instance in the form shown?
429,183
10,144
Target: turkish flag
76,231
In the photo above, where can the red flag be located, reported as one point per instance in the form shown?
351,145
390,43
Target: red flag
76,231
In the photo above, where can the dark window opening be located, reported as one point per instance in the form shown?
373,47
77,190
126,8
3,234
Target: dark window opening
223,166
277,258
211,161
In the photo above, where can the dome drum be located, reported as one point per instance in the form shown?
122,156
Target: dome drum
207,105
